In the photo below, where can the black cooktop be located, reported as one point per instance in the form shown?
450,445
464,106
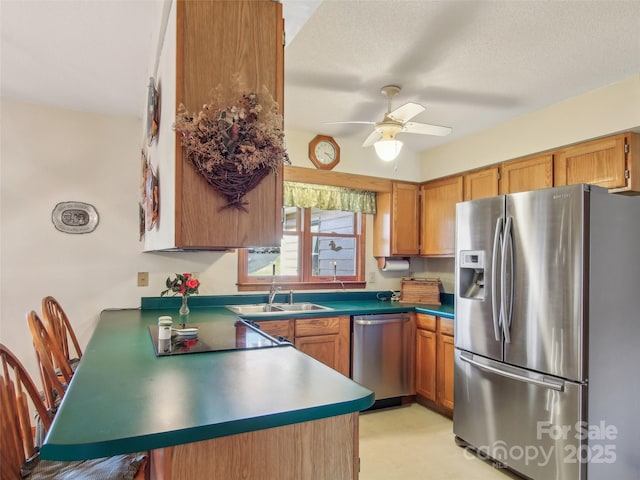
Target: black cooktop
212,337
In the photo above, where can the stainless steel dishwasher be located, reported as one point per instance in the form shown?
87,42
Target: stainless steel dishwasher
383,354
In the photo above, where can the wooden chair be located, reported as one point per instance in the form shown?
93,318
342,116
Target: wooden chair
20,450
48,354
57,323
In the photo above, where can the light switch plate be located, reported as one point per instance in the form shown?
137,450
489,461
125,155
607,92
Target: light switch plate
143,279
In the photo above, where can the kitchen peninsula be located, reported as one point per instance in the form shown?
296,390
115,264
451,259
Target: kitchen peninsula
264,413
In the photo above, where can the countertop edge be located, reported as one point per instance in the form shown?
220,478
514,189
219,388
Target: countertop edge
204,433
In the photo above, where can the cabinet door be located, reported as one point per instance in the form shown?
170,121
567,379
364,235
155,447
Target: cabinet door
527,174
481,184
277,328
201,219
324,348
306,327
426,364
327,339
405,218
437,228
395,225
600,162
445,371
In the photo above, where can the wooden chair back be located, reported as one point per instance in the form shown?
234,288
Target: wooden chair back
57,322
18,394
48,354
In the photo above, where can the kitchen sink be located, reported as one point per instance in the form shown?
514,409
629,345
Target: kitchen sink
301,307
265,308
253,309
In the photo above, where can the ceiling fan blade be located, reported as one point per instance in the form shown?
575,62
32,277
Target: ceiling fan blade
426,129
372,138
342,123
406,112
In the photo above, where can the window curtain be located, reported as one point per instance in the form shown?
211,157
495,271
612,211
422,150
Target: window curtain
325,197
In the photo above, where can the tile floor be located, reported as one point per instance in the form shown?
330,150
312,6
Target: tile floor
415,443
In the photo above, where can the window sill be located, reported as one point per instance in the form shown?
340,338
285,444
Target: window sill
347,285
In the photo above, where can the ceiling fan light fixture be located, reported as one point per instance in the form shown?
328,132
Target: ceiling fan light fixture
388,150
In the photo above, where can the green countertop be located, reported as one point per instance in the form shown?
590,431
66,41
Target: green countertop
125,399
342,303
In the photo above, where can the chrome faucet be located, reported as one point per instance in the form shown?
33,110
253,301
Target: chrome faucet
274,288
272,292
335,277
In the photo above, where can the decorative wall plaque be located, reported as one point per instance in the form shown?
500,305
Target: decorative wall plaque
75,217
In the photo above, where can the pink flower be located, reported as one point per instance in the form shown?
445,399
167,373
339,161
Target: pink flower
183,284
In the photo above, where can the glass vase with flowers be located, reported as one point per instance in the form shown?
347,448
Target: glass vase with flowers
182,284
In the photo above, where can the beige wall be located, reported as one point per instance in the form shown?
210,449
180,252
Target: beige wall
51,155
611,109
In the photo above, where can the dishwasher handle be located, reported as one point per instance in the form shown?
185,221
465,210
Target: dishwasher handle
379,319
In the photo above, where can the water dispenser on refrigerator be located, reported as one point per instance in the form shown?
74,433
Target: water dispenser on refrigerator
471,265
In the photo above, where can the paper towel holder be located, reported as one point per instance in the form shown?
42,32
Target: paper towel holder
382,261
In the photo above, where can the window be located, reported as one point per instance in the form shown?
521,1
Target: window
319,249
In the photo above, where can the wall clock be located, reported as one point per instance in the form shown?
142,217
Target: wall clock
324,152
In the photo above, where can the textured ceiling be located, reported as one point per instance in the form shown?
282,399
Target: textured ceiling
471,64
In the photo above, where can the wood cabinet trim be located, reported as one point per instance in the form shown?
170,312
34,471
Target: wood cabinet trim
337,179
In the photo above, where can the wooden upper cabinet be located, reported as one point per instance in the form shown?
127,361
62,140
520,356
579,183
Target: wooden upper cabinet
608,162
481,183
214,40
438,217
396,221
532,173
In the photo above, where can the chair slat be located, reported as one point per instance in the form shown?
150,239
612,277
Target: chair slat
47,353
58,324
17,394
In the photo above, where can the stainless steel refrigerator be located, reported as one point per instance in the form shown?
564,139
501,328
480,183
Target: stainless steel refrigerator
547,332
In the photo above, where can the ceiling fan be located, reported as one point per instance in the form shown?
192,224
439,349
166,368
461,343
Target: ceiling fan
394,122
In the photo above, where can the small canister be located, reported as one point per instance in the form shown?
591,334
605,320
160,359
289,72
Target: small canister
164,327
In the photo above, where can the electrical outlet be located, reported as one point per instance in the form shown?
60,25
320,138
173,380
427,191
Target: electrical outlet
372,277
143,279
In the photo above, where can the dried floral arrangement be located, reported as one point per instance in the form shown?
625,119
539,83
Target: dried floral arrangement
234,146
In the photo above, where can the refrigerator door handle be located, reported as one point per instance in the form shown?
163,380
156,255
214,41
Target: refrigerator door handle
505,300
552,384
494,280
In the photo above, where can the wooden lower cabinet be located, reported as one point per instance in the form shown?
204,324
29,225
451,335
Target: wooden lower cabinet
327,339
324,449
434,362
426,364
444,372
278,328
